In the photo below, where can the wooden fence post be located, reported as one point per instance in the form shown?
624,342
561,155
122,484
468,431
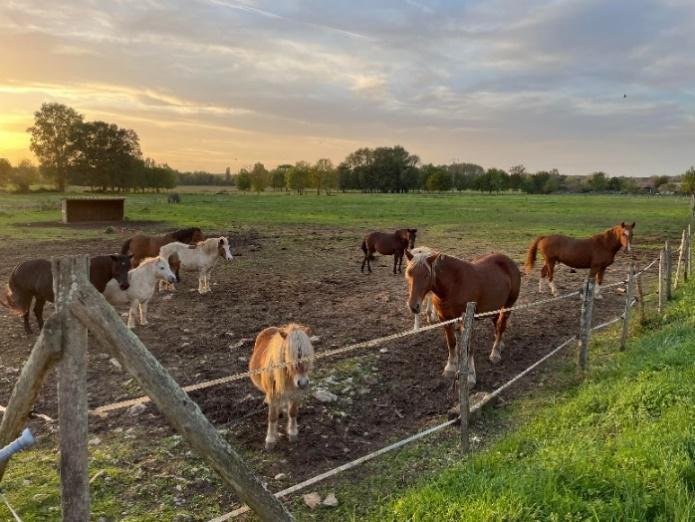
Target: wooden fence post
640,298
45,353
585,323
68,272
688,256
662,280
680,259
669,269
180,410
463,344
628,305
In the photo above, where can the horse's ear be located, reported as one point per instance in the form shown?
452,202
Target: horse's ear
633,224
409,255
283,333
413,230
221,241
114,257
307,330
431,259
192,247
622,225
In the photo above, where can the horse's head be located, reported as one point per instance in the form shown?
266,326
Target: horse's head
419,274
298,354
175,265
223,248
626,232
197,236
162,270
410,235
120,264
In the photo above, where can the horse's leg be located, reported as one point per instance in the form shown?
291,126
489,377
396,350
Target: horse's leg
418,324
498,346
201,282
471,370
544,273
25,317
451,367
272,436
395,262
38,310
143,313
551,275
400,262
365,261
292,427
131,313
599,282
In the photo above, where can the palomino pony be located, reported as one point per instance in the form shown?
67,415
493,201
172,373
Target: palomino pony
199,257
427,309
142,246
386,244
596,253
33,279
492,282
142,282
280,365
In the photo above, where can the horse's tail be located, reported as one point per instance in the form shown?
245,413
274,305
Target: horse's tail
126,246
366,250
532,252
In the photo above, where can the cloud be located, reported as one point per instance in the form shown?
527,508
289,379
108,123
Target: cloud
497,81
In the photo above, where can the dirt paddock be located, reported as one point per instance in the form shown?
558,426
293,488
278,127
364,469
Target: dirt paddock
310,276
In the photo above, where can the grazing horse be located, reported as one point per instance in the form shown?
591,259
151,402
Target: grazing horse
199,257
386,244
142,282
427,309
280,365
34,279
596,253
492,281
142,246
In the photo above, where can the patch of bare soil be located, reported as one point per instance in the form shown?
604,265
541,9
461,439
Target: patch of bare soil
310,276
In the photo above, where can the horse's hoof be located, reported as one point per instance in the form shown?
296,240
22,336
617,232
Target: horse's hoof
495,358
292,437
471,382
449,373
269,445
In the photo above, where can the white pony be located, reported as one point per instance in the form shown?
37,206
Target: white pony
427,309
201,256
143,281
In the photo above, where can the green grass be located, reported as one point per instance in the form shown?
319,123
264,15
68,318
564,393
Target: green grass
470,217
620,447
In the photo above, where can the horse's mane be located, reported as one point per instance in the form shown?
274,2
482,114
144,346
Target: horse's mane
149,261
184,235
290,349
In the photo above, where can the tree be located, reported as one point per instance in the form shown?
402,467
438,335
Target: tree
259,177
322,174
228,176
659,181
243,180
598,182
465,175
5,171
52,138
516,177
438,178
279,177
298,177
24,175
688,181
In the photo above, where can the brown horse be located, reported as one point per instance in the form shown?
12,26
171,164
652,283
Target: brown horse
282,359
33,279
596,253
492,282
141,246
386,244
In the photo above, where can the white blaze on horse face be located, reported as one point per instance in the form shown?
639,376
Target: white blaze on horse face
224,245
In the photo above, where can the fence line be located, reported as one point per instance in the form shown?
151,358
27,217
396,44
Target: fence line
102,410
7,503
349,465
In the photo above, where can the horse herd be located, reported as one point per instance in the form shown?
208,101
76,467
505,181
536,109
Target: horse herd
439,286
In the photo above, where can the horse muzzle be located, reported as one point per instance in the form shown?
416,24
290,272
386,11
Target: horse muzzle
171,279
303,383
415,308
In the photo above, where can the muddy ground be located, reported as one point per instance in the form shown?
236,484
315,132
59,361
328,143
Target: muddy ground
309,276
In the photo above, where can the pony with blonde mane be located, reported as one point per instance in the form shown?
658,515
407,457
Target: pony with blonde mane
280,364
427,309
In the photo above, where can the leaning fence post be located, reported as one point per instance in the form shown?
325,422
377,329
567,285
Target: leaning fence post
585,323
628,304
680,259
72,390
669,268
662,280
463,344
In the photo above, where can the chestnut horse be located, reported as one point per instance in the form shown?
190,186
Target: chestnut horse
142,246
492,282
280,364
386,244
33,279
596,253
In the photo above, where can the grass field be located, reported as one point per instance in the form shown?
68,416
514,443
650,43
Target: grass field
512,218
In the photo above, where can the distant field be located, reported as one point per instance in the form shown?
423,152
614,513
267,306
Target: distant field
512,218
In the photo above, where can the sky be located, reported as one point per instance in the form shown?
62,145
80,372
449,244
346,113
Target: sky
575,85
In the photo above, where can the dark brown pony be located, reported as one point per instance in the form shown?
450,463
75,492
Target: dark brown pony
33,279
142,246
492,282
386,244
596,253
